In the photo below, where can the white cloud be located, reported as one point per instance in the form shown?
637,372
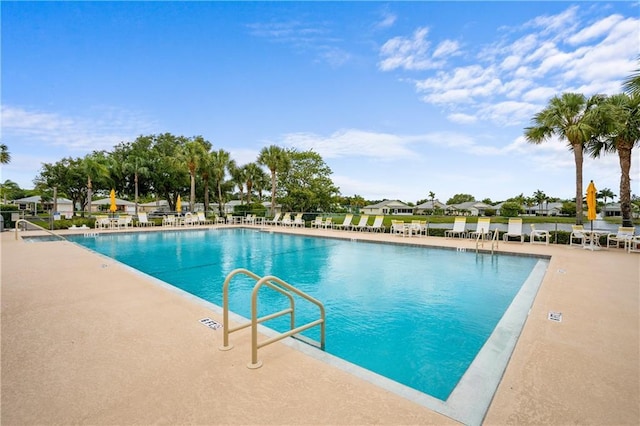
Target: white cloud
387,21
353,142
462,118
408,53
103,130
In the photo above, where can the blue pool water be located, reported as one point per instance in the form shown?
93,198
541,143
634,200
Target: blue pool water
416,315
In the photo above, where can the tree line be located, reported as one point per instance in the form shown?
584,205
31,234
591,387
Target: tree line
165,166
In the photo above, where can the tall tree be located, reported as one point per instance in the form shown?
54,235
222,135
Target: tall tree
95,168
5,156
220,162
252,173
572,118
631,85
605,194
193,152
136,163
307,184
540,198
238,177
619,131
277,161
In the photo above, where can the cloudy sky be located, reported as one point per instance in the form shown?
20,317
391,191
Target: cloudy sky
399,98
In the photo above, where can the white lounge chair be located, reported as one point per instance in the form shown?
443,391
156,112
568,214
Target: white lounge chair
144,221
377,225
202,220
169,220
274,221
362,223
298,221
482,229
458,230
577,237
418,227
624,233
633,244
286,220
317,222
346,223
328,223
398,227
514,230
538,236
188,220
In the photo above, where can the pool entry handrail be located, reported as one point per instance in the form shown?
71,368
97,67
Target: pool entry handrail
27,223
281,287
494,240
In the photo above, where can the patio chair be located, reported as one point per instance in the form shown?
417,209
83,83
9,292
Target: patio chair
328,223
377,225
458,230
346,223
539,236
514,230
274,221
624,233
362,223
286,220
418,227
169,220
143,220
633,244
188,219
577,237
202,220
482,229
398,227
317,222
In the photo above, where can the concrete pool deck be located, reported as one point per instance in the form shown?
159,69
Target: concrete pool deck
86,340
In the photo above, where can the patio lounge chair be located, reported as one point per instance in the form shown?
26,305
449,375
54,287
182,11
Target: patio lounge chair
328,223
143,220
317,222
286,220
577,234
377,225
514,230
482,229
202,220
538,236
398,227
362,223
624,233
346,223
633,244
458,230
273,221
298,221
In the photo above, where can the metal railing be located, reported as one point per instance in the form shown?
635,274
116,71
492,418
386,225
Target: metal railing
281,287
27,223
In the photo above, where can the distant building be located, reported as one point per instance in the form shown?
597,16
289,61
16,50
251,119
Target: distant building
428,207
64,206
388,207
469,208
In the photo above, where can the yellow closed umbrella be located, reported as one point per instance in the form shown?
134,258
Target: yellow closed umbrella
591,201
178,205
112,206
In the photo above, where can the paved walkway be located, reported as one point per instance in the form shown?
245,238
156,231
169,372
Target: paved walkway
86,340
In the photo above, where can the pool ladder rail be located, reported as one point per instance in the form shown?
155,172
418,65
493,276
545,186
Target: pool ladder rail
281,287
495,238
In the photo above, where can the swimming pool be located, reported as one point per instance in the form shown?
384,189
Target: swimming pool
418,316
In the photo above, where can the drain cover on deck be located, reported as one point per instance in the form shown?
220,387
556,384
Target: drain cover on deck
211,323
555,316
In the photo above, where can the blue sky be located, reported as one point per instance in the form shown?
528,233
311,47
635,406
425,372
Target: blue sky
399,98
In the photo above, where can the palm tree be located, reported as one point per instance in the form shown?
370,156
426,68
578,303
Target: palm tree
631,85
193,153
571,118
238,177
251,174
619,132
276,160
540,198
135,163
432,195
220,163
93,165
605,194
5,156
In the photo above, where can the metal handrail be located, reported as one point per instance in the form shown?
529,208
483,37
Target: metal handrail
283,288
26,222
226,329
270,279
495,239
